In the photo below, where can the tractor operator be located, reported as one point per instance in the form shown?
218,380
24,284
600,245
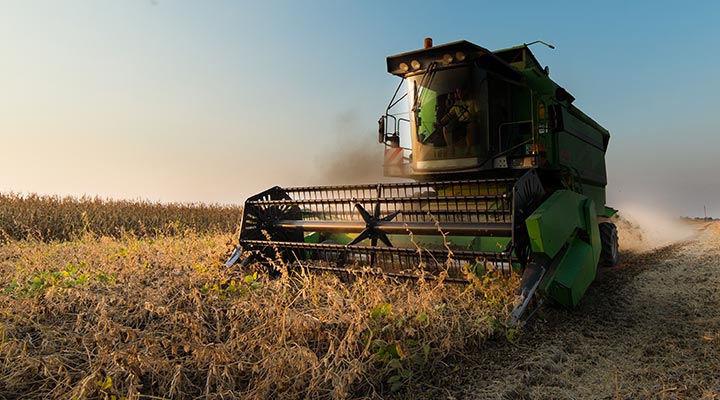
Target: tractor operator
461,117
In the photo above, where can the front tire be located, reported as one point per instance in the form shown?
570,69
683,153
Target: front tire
609,254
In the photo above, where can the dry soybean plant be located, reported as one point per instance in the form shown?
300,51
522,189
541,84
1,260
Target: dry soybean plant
127,317
67,218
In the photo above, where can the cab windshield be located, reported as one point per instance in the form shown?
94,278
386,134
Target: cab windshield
449,115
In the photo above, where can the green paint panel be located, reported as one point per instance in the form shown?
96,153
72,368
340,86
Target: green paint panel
608,212
597,194
571,273
313,237
565,230
593,231
554,222
478,243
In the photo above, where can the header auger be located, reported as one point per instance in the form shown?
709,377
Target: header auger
507,173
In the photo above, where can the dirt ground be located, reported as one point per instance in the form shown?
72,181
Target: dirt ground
648,328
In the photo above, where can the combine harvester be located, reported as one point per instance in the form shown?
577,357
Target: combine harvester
507,173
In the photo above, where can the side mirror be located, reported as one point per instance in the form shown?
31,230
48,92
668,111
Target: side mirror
381,129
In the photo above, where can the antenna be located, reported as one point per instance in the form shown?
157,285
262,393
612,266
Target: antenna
538,41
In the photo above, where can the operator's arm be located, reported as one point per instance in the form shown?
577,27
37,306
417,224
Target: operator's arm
451,115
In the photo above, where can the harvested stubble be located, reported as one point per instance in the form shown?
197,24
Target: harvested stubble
67,218
161,317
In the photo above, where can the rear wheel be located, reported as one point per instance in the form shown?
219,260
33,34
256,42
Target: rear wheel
609,255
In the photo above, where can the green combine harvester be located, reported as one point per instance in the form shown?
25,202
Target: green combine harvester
507,175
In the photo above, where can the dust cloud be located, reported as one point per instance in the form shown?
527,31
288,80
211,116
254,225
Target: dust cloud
354,162
354,155
642,229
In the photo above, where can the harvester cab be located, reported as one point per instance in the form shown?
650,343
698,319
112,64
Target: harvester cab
507,175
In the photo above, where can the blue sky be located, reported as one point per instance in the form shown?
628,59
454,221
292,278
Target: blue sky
216,100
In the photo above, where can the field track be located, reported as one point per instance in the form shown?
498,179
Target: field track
649,328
